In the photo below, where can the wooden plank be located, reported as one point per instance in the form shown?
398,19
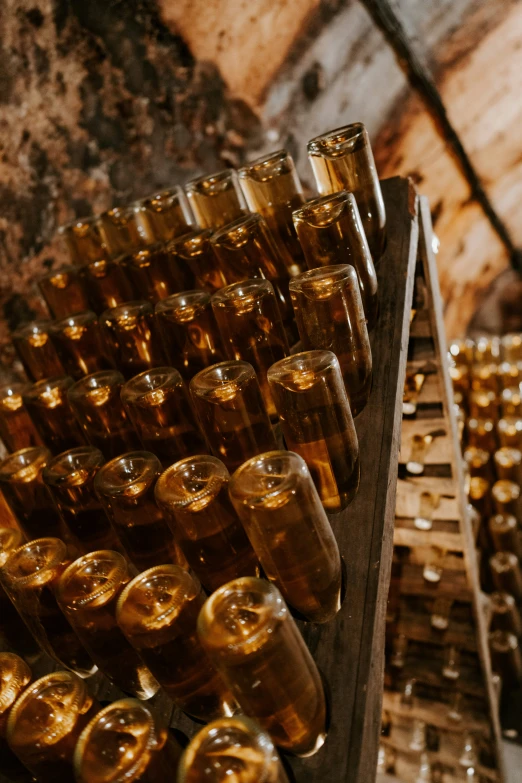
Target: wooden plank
435,713
350,649
411,537
418,628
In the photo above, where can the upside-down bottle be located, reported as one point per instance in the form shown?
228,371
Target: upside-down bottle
64,292
48,406
250,636
158,614
216,199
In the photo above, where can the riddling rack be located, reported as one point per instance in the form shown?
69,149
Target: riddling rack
349,650
440,706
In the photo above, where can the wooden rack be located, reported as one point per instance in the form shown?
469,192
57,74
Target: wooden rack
450,545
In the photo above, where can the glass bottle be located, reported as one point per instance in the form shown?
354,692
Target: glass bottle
154,273
506,573
190,334
231,412
15,676
510,432
485,377
125,486
48,406
70,479
417,741
483,404
194,250
17,431
480,496
120,230
45,723
132,336
216,199
509,377
506,497
249,321
428,503
106,283
14,634
25,493
158,614
508,464
462,350
330,316
164,215
251,638
64,292
331,232
451,666
124,742
83,240
231,749
441,613
99,410
506,658
245,249
505,615
399,651
79,344
281,511
159,408
482,434
316,421
193,495
342,159
486,349
460,377
87,593
511,347
272,189
503,532
36,351
29,577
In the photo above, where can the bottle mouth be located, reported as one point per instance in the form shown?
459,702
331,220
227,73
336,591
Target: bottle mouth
11,396
241,616
129,475
25,465
151,387
243,296
324,211
92,580
59,278
71,322
35,563
34,331
237,234
115,746
322,282
47,710
153,600
105,382
74,467
223,380
212,185
15,674
163,200
268,167
185,306
127,315
505,561
119,216
191,245
191,484
341,141
221,746
300,372
268,480
80,227
50,392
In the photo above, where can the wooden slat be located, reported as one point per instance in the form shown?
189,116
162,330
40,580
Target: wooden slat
418,628
435,713
409,495
439,452
350,649
410,536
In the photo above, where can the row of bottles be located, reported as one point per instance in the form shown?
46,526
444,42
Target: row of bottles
147,565
54,729
487,376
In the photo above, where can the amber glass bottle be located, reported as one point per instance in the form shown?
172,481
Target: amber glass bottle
158,613
16,428
132,336
216,199
48,406
36,351
251,637
79,344
164,215
64,292
195,251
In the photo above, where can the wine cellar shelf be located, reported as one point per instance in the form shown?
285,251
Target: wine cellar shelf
436,610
